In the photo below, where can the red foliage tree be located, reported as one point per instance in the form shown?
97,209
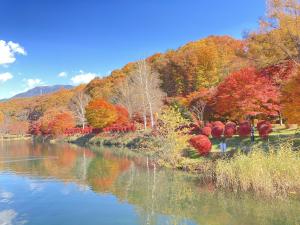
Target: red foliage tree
34,128
281,72
201,143
246,92
244,129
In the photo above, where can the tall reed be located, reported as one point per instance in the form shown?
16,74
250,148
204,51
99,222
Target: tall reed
273,173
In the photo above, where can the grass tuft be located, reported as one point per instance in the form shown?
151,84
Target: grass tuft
273,173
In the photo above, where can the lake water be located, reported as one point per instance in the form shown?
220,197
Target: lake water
43,184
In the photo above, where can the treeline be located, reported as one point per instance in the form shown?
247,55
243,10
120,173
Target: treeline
216,78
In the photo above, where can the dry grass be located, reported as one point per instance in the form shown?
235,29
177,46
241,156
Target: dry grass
275,173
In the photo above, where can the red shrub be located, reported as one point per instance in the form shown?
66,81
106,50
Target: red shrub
217,131
230,129
201,143
206,131
78,130
120,128
244,129
262,122
229,132
218,124
209,125
264,128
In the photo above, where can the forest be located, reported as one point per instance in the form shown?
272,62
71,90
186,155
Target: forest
185,102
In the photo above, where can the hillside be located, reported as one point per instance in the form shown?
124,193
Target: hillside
203,63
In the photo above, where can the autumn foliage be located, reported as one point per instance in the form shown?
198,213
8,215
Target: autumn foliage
122,115
230,129
1,117
206,131
246,92
61,122
100,113
217,131
201,143
264,128
291,99
244,129
54,123
115,128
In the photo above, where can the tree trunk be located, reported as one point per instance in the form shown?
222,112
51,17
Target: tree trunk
280,119
145,121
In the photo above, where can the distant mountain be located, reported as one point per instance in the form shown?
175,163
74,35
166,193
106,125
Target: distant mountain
41,90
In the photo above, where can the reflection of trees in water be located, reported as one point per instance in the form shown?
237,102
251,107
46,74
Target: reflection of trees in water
165,192
152,191
64,162
104,170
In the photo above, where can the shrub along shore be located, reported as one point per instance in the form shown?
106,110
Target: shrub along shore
269,168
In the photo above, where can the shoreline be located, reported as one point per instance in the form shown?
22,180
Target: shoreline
15,137
213,168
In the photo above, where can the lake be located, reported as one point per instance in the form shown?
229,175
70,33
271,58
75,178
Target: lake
43,184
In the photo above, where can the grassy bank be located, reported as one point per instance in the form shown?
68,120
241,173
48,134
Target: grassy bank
269,167
11,137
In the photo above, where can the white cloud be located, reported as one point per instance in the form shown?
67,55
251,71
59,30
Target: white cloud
62,74
7,216
83,78
5,77
8,50
5,197
37,187
31,83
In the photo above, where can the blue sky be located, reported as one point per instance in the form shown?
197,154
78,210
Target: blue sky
45,42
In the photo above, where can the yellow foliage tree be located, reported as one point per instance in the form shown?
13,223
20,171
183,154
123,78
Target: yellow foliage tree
279,35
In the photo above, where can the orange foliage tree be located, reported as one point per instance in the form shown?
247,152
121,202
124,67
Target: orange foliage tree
246,92
100,113
1,117
122,115
291,99
54,122
61,122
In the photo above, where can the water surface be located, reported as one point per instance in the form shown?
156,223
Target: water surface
43,184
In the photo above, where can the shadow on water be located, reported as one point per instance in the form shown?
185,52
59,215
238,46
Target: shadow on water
157,196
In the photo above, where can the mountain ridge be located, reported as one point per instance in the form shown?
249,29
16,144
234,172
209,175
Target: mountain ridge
41,90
